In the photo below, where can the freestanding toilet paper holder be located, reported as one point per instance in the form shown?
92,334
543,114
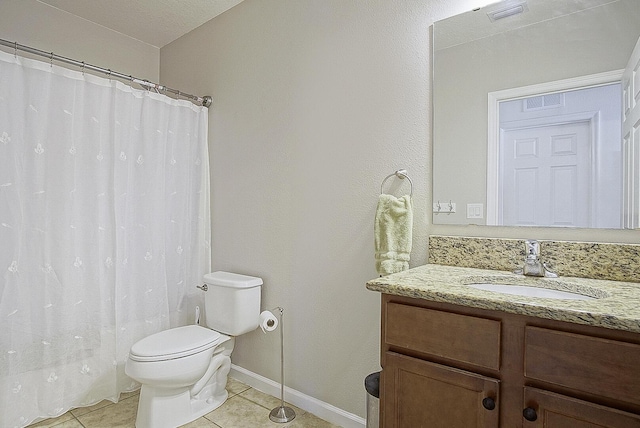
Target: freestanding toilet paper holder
282,414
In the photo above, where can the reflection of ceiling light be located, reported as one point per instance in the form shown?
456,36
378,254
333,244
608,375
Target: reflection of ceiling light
479,4
509,9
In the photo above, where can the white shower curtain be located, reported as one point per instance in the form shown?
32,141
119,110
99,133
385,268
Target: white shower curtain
104,231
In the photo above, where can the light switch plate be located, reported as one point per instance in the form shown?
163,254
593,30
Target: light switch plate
475,211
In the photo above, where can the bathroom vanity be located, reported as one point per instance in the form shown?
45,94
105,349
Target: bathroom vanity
456,356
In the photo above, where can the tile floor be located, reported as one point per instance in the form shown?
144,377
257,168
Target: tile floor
245,408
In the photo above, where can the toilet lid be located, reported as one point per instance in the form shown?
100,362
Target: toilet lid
174,343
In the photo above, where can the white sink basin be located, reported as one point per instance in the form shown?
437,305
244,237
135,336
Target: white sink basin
530,291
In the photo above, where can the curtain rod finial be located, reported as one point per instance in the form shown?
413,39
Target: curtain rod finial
207,101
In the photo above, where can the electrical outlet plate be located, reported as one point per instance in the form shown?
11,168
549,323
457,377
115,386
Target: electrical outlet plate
444,207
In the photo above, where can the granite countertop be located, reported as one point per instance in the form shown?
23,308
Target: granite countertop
617,303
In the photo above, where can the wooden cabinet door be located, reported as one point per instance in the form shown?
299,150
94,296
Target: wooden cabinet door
559,411
421,394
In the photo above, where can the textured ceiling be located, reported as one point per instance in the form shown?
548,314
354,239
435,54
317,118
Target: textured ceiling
476,25
157,22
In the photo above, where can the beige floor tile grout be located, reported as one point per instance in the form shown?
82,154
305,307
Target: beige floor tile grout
260,404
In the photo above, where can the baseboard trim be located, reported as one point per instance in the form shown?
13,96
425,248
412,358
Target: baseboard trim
319,408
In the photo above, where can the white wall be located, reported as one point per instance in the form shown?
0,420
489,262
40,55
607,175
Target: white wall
43,27
315,102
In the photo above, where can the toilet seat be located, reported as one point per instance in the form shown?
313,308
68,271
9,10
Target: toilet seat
174,343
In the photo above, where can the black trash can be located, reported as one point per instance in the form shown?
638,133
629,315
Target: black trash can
372,385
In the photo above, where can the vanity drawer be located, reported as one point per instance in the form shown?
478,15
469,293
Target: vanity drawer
608,368
457,337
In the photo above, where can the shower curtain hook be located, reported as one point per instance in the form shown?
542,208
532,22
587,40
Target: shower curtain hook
82,67
15,49
51,60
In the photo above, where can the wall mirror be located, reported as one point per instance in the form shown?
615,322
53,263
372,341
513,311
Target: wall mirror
528,107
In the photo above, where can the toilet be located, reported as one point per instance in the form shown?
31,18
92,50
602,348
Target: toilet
183,370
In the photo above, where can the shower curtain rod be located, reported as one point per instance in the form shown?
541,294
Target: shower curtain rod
205,101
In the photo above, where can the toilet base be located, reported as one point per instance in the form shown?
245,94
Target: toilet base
162,408
169,399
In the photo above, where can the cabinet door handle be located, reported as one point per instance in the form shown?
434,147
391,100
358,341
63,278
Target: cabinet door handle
488,403
530,414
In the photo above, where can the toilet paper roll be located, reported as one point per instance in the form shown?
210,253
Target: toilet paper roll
268,321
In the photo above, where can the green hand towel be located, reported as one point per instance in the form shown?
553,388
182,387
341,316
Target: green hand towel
393,231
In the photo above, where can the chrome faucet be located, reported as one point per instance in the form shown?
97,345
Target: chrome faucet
533,266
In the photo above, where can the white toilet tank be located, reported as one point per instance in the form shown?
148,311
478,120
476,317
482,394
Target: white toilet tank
232,302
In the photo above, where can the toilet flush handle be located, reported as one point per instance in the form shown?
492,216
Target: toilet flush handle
202,287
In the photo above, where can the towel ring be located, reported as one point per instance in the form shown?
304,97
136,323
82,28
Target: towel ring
402,174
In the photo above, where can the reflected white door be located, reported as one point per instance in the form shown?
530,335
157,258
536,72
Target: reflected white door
631,140
545,175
